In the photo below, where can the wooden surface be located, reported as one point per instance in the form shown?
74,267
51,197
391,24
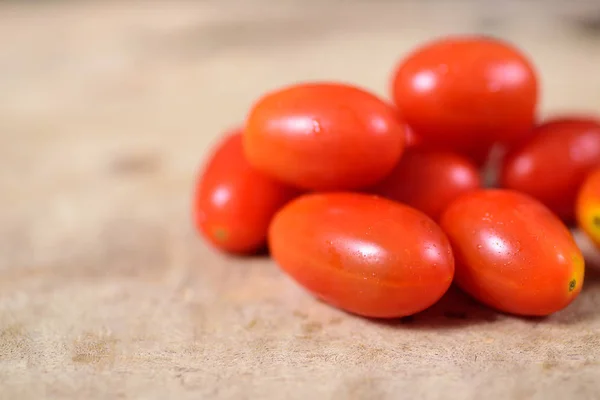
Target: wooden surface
106,111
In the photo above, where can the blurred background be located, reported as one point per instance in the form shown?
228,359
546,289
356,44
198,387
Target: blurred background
107,109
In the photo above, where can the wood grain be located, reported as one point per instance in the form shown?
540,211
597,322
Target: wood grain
106,112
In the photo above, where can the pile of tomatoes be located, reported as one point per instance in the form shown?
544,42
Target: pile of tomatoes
377,207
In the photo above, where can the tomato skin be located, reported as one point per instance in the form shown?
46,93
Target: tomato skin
412,140
361,253
553,163
567,119
477,153
463,93
429,181
233,202
588,206
512,253
324,136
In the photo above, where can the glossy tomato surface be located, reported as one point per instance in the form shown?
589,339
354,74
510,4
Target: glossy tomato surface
588,206
412,140
362,253
464,93
552,165
233,202
324,136
512,253
429,181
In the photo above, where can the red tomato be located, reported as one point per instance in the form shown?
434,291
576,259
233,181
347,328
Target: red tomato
552,165
561,120
234,203
465,93
429,181
588,206
324,136
412,140
476,152
364,254
512,253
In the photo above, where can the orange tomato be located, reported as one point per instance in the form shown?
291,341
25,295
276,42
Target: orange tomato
233,202
324,136
464,93
588,206
362,253
512,253
429,181
553,163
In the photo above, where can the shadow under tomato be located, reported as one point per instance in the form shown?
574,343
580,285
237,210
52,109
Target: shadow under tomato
454,310
592,279
591,282
262,252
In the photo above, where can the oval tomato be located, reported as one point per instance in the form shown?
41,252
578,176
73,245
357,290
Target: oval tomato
552,165
465,93
324,136
512,253
234,203
429,181
362,253
588,206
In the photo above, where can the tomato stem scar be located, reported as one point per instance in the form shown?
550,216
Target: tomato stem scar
596,220
572,285
220,234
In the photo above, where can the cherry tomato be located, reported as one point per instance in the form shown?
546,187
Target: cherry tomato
324,136
362,253
559,120
412,140
477,152
552,165
234,203
464,93
429,181
512,253
588,206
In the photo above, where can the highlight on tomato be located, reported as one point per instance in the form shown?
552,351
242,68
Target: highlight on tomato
429,180
233,203
324,136
465,93
512,253
553,163
362,253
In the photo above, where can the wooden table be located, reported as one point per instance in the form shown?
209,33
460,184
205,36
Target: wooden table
106,112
